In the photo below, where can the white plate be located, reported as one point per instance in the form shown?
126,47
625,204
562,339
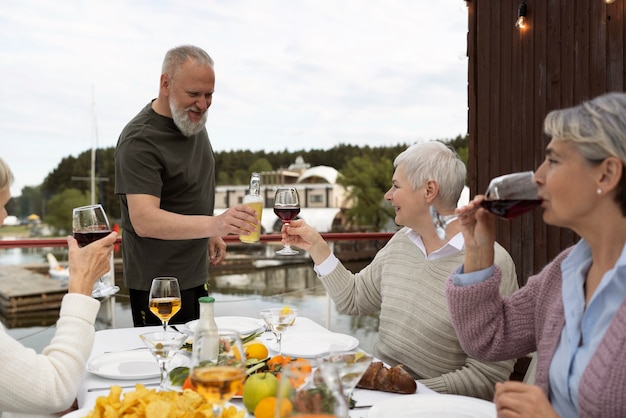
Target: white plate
243,325
314,344
79,413
433,406
130,365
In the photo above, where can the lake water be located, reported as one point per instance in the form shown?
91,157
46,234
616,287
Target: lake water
243,293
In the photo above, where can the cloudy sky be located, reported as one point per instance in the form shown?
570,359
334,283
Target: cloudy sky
290,74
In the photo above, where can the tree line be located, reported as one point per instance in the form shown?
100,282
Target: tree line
368,169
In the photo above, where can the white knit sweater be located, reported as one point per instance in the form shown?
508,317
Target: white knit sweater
415,327
48,382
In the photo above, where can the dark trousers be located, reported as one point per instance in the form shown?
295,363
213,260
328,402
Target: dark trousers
190,308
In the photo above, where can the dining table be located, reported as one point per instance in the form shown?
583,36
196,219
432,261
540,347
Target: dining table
127,340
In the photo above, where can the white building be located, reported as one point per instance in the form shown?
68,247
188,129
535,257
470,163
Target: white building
321,198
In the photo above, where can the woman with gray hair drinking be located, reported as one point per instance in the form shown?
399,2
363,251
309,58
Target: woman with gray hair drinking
573,313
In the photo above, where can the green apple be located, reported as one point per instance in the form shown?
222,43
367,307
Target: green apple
258,387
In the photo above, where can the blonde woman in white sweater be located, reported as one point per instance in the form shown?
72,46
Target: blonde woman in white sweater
405,280
47,382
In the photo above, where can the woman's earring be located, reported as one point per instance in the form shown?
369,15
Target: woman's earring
599,191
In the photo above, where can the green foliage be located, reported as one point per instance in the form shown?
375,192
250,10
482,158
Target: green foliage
367,180
60,208
75,173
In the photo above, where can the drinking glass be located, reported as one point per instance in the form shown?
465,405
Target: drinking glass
163,345
218,380
165,299
286,207
512,195
277,320
351,365
89,224
301,394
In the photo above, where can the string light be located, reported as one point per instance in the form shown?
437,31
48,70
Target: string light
521,16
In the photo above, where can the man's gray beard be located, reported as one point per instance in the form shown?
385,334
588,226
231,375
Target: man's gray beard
181,120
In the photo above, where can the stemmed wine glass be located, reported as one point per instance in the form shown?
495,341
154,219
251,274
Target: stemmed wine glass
163,345
286,207
351,365
218,379
89,224
302,394
512,195
277,320
165,301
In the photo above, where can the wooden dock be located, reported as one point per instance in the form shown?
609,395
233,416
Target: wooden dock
22,290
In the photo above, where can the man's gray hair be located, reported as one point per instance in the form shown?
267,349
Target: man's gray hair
176,57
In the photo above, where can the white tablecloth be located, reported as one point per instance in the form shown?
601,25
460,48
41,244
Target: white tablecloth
128,338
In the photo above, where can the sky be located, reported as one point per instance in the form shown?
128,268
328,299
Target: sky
290,74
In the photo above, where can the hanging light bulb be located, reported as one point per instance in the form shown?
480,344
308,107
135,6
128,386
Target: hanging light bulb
521,16
609,1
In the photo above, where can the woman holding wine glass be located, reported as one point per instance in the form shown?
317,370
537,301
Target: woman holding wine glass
404,283
573,312
48,381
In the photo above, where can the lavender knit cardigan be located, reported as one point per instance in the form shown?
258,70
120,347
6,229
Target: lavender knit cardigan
494,328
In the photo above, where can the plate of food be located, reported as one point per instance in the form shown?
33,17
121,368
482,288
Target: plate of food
145,402
314,344
241,324
130,365
433,406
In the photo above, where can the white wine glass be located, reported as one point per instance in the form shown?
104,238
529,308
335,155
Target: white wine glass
286,207
89,224
163,345
512,195
165,301
350,365
278,320
218,379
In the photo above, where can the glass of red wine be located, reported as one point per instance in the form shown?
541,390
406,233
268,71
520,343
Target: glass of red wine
286,207
89,224
512,195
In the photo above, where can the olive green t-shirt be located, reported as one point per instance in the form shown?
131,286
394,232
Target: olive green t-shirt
153,157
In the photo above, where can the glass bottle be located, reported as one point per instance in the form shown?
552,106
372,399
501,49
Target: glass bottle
207,325
255,201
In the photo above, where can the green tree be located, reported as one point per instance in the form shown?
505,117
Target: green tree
31,201
367,180
60,208
260,165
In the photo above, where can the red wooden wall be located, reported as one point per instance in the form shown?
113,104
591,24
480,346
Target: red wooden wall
570,51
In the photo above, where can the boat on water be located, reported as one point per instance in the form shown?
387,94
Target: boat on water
56,270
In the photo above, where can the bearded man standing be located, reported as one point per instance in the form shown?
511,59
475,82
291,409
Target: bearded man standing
165,177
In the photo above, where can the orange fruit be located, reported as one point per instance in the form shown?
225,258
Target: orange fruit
267,408
188,385
257,351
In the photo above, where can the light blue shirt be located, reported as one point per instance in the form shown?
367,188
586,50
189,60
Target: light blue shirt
582,326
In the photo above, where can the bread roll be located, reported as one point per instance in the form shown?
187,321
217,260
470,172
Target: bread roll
393,379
